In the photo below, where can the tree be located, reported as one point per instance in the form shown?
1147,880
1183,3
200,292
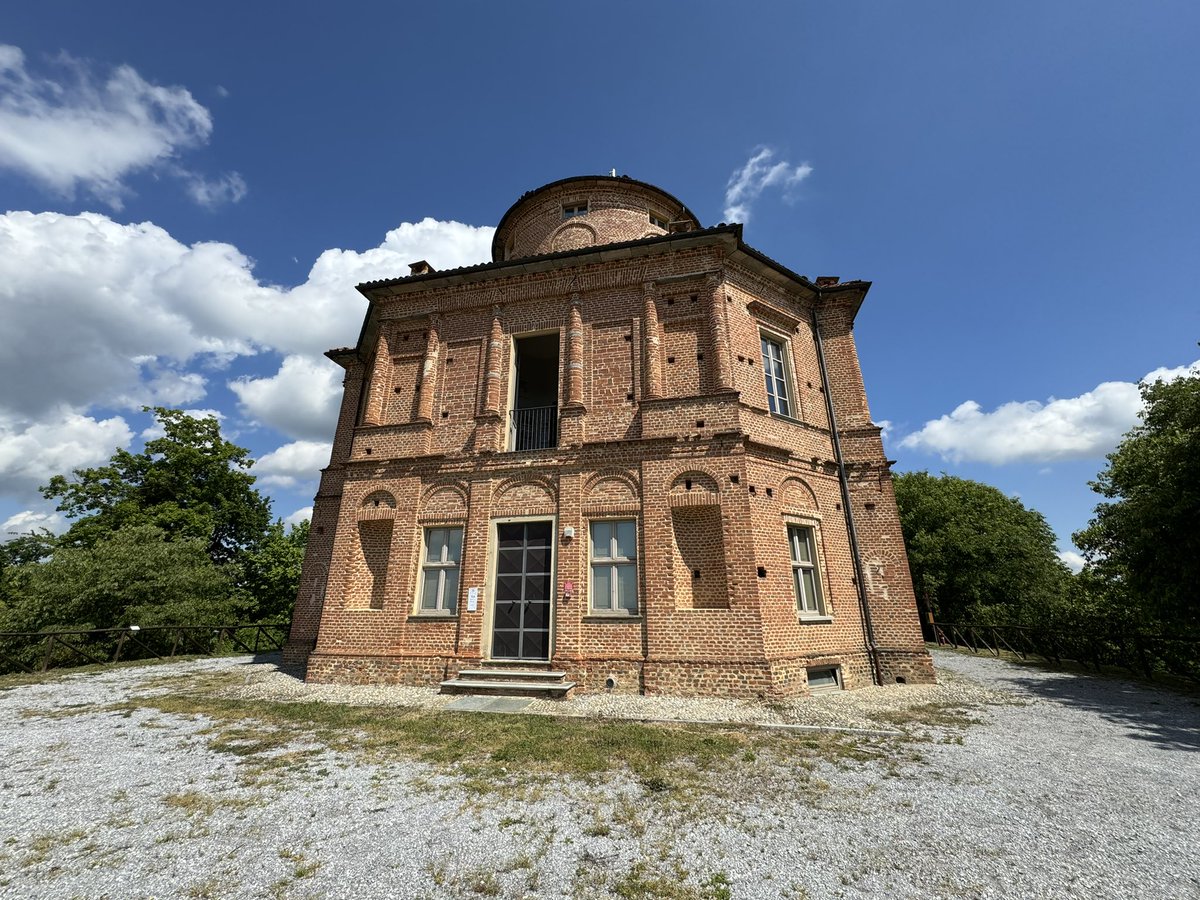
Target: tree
271,573
978,555
190,483
1144,546
132,576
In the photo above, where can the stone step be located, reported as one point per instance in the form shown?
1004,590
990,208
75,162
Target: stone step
507,674
509,688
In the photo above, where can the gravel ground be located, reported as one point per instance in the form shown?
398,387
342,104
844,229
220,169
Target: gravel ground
1069,786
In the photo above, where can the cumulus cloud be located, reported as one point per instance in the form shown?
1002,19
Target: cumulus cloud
1074,561
293,464
28,520
301,399
1083,427
213,192
304,514
75,128
135,310
759,173
31,453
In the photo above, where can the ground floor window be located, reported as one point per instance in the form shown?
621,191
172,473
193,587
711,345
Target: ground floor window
439,569
806,577
614,566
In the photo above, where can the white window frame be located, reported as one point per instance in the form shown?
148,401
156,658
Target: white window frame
808,607
779,406
614,563
443,605
578,208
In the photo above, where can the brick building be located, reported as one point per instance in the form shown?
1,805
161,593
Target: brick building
608,452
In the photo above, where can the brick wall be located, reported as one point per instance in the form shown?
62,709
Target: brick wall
663,420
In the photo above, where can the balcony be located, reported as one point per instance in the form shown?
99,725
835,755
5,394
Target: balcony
533,428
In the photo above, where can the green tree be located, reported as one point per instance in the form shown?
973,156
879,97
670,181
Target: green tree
132,576
978,555
191,483
271,573
1143,547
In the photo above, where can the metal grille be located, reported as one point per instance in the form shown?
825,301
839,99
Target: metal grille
535,428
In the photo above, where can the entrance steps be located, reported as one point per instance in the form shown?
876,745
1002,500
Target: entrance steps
510,682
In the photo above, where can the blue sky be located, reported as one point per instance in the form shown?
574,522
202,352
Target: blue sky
192,194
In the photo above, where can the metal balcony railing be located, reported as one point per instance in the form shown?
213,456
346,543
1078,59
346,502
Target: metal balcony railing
534,428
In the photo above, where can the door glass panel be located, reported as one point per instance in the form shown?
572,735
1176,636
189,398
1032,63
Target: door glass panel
539,533
537,560
535,645
506,644
509,559
536,588
537,615
508,588
510,535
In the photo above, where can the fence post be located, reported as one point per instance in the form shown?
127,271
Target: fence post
46,655
120,644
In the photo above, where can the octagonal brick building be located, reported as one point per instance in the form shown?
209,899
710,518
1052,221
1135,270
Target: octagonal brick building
630,453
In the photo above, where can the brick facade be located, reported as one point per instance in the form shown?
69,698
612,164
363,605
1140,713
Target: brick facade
661,417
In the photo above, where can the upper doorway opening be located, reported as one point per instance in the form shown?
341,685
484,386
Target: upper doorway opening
533,420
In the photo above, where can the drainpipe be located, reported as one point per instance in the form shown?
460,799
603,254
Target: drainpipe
872,647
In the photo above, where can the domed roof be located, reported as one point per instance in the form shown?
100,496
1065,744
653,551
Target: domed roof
587,210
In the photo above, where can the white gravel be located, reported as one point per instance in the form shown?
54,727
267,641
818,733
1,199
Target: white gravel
1072,786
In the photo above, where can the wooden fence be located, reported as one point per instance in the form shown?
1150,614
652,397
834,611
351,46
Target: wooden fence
38,651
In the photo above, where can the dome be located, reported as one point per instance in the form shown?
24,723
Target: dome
585,211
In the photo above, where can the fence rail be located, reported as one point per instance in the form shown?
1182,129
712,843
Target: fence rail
1141,653
535,428
38,651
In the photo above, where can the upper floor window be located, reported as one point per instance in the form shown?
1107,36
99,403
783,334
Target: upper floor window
571,210
806,577
777,375
439,570
614,566
658,221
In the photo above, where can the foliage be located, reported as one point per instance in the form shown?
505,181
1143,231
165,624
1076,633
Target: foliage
132,576
271,573
1143,547
191,483
978,555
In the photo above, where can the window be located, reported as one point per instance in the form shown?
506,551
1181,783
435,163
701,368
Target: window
614,567
806,579
824,679
439,571
570,210
775,371
658,221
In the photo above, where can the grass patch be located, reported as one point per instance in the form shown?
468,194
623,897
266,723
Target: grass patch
941,715
21,679
40,847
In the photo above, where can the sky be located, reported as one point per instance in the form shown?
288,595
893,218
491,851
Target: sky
192,193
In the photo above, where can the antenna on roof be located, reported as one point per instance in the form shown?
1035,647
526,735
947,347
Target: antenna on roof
613,173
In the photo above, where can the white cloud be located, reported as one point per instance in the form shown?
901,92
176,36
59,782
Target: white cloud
304,514
1073,560
293,464
213,192
77,128
760,172
1083,427
28,520
31,453
135,309
301,399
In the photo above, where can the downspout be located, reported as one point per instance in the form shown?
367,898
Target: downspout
868,627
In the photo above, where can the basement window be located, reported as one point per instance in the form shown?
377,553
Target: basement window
824,679
571,210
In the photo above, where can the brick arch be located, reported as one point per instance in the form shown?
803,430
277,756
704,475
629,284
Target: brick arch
797,494
701,481
379,499
573,236
525,492
611,486
447,501
377,505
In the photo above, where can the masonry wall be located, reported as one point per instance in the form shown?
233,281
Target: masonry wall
663,421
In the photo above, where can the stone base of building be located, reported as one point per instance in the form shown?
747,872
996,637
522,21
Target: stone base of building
296,653
745,680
